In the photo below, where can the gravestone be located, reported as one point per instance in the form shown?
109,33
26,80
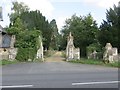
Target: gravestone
71,51
77,53
94,54
110,54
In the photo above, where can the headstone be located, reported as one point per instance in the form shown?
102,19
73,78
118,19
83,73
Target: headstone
94,54
77,53
115,51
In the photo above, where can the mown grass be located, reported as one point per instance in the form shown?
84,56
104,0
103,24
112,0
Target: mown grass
96,62
6,62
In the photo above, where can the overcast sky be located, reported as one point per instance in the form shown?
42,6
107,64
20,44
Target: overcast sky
62,9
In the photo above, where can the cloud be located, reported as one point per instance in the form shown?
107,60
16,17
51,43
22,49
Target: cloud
44,6
102,3
6,8
65,0
61,21
90,1
107,4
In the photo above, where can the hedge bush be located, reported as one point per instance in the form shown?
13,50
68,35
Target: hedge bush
26,53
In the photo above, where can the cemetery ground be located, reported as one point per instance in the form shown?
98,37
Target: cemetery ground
56,73
96,62
57,58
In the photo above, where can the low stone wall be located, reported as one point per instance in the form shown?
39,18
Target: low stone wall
8,53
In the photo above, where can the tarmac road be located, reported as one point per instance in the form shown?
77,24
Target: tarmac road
58,74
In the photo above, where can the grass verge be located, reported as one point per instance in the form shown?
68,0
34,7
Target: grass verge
6,62
96,62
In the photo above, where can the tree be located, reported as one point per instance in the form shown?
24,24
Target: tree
84,30
55,34
26,38
18,9
110,27
35,20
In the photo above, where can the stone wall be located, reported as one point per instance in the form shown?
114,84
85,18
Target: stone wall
7,52
0,39
110,54
76,53
12,53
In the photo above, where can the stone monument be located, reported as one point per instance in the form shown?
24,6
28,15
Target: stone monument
92,55
72,53
40,50
110,54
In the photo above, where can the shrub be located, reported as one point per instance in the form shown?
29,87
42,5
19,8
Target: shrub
63,54
26,53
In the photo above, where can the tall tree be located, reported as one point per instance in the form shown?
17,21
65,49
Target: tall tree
54,37
35,20
84,30
18,9
110,27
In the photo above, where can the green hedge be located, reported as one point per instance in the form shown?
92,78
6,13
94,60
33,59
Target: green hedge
26,53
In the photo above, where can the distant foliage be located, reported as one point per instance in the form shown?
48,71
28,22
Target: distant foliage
27,40
28,26
26,53
110,28
35,20
55,36
83,29
94,46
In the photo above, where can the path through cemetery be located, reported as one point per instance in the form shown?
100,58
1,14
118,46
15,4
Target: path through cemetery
57,57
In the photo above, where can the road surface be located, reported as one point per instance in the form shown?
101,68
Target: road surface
56,73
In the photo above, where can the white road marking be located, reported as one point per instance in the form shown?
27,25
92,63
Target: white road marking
18,86
86,83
